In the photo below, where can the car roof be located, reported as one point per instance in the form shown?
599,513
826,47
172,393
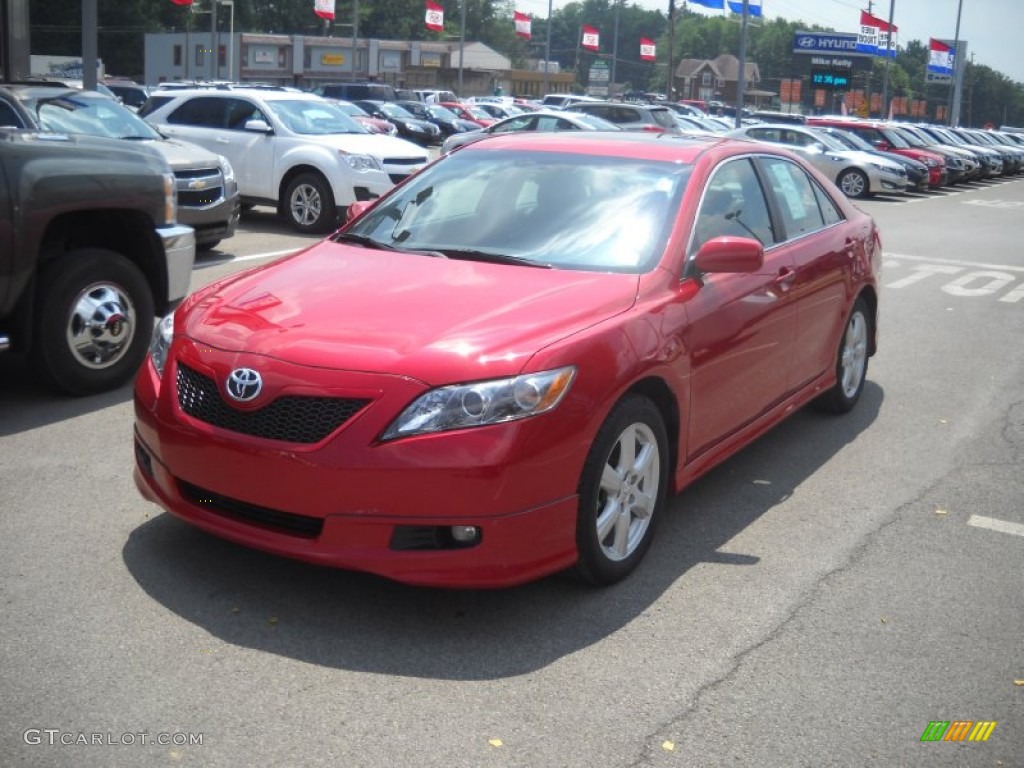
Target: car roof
658,147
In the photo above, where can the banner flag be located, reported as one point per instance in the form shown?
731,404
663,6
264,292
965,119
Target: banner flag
753,7
719,4
522,21
874,36
324,9
591,40
435,17
647,50
182,2
941,58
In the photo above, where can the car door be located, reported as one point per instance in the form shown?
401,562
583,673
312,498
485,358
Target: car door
740,326
818,243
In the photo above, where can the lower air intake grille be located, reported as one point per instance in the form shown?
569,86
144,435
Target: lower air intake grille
283,522
294,419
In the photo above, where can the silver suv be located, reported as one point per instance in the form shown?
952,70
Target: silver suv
207,193
296,151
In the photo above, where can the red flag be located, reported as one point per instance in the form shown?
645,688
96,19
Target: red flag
591,39
182,2
522,21
647,50
435,17
322,8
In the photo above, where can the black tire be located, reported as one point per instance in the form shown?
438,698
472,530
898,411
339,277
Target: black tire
854,183
93,322
308,204
851,362
209,245
615,524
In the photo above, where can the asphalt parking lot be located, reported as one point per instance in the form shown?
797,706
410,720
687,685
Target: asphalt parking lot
819,599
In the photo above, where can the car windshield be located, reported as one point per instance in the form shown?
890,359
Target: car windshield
393,110
595,122
441,112
849,140
92,115
897,139
911,137
829,141
351,109
569,211
313,117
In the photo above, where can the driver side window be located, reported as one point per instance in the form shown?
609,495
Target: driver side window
733,205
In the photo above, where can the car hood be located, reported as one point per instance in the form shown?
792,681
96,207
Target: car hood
375,144
433,319
182,155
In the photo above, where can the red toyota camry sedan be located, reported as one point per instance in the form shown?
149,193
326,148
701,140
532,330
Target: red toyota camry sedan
504,367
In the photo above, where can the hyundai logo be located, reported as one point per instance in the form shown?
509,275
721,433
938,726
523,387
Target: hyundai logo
806,42
244,384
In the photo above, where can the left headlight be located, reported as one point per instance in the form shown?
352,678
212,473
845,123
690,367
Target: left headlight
887,169
226,170
360,162
484,402
161,344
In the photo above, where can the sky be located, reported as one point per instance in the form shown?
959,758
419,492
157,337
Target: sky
992,28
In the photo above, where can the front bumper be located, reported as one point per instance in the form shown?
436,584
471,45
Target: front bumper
179,244
348,501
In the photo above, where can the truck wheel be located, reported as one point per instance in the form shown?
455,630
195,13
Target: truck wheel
309,204
93,321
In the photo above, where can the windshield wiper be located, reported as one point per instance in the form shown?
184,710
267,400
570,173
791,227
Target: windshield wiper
363,240
470,254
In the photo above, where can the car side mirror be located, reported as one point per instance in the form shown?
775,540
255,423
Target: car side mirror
817,147
730,254
882,145
357,209
258,126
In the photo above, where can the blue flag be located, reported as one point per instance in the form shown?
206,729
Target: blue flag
719,4
753,7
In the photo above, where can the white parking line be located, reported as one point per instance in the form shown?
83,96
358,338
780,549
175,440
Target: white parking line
972,264
1016,529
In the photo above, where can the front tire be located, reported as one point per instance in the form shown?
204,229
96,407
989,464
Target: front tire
622,491
854,183
92,328
851,362
309,204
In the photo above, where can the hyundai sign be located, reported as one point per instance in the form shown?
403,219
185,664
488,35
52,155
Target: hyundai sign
827,42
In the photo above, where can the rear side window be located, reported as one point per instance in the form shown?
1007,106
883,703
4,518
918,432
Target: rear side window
201,111
798,201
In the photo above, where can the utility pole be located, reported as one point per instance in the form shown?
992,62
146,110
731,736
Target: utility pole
741,83
547,51
888,47
615,49
671,93
954,86
215,52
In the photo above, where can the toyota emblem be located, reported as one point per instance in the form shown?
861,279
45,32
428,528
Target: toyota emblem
244,384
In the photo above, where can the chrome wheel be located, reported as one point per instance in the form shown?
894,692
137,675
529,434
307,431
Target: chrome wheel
306,205
854,354
101,325
853,184
629,491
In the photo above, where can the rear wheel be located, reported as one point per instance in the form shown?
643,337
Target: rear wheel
622,491
851,362
854,183
309,204
95,314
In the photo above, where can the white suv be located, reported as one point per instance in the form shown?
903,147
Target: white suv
294,150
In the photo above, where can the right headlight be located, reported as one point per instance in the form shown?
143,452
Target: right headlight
160,346
481,403
360,162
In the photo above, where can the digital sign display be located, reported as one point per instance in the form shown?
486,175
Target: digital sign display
838,79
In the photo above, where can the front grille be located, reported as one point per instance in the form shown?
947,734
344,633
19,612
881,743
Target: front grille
282,522
293,419
199,187
397,177
404,161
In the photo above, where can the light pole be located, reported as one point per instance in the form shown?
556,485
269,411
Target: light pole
462,45
547,50
954,85
885,75
231,41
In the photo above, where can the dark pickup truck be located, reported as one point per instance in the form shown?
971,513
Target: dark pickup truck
90,253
